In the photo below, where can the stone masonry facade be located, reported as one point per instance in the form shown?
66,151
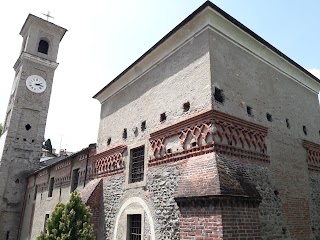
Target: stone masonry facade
226,156
199,139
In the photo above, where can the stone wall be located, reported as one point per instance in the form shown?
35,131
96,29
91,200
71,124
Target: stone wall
112,193
315,203
162,184
272,222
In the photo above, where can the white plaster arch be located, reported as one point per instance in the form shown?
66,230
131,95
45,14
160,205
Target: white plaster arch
145,208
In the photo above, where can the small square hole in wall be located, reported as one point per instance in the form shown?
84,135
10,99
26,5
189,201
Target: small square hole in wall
304,128
218,95
193,144
143,126
269,117
109,141
135,131
163,117
288,123
124,134
186,106
28,127
249,111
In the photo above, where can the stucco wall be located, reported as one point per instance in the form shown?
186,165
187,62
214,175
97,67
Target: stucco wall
33,220
190,74
181,77
249,81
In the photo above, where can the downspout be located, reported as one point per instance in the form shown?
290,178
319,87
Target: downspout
23,208
86,169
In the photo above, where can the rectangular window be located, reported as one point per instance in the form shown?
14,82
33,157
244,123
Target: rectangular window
51,187
31,219
137,164
35,192
75,179
45,222
134,224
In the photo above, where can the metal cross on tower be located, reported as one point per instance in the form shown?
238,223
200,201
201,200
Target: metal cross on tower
48,15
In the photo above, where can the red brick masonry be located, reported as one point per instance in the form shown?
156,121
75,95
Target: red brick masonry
219,218
211,131
313,158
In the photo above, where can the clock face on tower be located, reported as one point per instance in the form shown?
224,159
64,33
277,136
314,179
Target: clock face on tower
36,84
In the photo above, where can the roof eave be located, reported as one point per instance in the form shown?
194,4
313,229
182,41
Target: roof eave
188,19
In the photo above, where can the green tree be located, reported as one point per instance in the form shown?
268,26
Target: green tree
1,128
47,145
69,222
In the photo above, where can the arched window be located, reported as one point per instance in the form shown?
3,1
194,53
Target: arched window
43,46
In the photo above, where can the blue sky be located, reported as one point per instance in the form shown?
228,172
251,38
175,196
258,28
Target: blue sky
105,37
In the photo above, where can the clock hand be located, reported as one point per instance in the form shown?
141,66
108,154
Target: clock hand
39,84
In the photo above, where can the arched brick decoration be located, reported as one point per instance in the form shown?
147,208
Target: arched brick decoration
211,131
109,162
313,158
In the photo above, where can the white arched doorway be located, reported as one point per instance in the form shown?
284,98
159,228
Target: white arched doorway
134,205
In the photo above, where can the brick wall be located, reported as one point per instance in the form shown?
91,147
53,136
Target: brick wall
297,213
240,221
199,177
315,203
214,219
94,202
198,222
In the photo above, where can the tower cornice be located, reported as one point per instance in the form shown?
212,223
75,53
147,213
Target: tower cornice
35,59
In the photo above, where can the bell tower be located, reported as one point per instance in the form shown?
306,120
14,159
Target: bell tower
26,116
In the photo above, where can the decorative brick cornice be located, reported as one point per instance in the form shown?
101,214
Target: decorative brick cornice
109,162
82,157
42,186
63,164
43,172
211,131
313,158
62,181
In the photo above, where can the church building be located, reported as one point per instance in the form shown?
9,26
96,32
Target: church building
213,133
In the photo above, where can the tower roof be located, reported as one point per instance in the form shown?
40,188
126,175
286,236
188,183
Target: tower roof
32,18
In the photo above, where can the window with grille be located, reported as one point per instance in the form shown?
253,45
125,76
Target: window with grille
35,192
51,187
134,227
137,164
